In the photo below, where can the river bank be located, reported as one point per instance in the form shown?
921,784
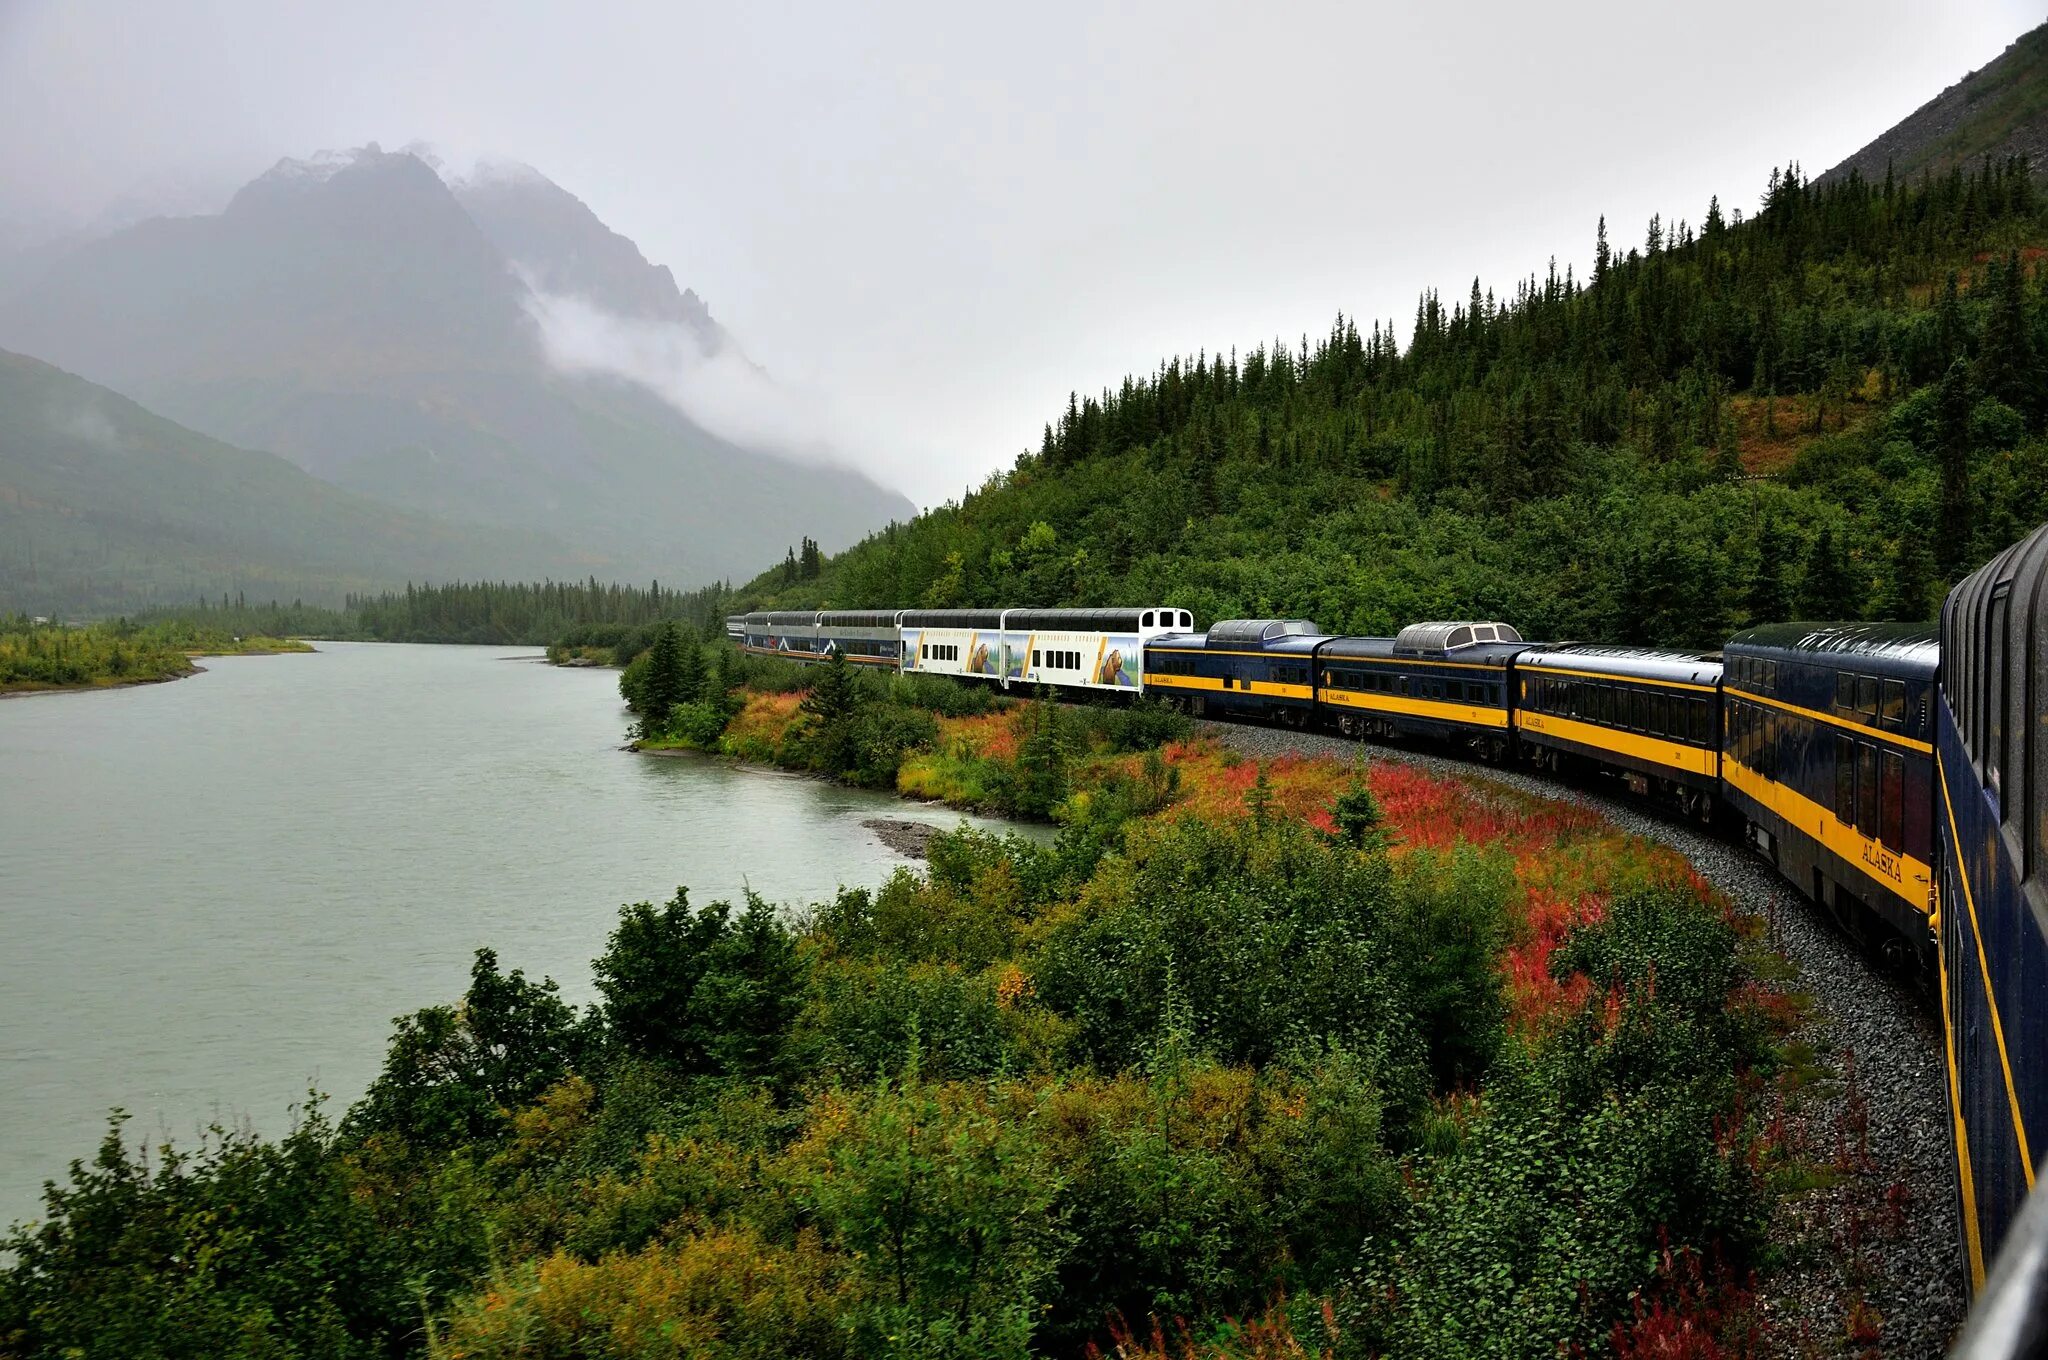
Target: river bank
339,836
40,658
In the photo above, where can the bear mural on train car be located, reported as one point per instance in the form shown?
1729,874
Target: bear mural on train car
1112,672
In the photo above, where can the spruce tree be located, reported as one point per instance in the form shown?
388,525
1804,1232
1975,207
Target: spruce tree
2007,369
1952,444
833,706
1911,578
662,689
1728,450
1040,784
1830,589
689,665
1770,591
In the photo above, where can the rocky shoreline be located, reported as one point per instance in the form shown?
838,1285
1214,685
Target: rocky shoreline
913,840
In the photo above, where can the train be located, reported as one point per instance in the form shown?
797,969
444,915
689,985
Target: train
1896,775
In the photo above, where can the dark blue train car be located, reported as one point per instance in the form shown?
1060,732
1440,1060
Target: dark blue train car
1443,681
1828,752
1992,734
1651,717
1240,668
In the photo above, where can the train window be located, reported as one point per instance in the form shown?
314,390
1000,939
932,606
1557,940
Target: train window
1639,711
1149,616
1845,780
1893,809
1891,705
1845,693
1866,697
2001,663
1035,661
1866,789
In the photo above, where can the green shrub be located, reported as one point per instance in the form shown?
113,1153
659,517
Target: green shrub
703,990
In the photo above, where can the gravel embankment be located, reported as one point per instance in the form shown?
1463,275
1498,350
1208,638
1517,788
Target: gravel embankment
1886,1230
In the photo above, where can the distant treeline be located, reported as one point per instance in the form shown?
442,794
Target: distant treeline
494,612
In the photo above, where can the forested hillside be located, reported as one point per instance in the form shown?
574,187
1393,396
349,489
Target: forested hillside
1826,410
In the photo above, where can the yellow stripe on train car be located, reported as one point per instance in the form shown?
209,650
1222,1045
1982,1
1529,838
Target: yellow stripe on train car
1208,682
1670,754
2012,1092
1893,870
1435,709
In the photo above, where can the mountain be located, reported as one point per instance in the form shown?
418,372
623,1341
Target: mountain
1998,111
106,507
1825,410
355,315
562,247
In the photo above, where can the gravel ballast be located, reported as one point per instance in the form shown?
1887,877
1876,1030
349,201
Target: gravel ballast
1884,1231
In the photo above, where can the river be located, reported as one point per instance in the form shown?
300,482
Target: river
218,892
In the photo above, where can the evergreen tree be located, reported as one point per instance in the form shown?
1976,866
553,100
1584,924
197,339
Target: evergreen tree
1911,578
1948,323
1952,445
662,687
1830,590
1728,450
689,665
1770,591
2007,367
1042,758
833,705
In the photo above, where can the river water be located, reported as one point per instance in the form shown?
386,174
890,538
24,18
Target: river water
218,892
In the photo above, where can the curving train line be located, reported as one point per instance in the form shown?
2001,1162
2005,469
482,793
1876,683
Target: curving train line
1896,775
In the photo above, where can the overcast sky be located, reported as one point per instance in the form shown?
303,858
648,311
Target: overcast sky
937,219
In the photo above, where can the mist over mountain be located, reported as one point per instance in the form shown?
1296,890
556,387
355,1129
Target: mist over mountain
106,507
359,316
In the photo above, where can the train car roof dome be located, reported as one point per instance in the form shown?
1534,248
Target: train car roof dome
1260,630
1897,641
1435,639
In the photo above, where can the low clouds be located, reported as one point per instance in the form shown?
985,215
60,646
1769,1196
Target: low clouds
85,423
715,385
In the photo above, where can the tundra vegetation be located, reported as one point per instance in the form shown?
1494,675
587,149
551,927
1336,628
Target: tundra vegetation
1255,1055
36,654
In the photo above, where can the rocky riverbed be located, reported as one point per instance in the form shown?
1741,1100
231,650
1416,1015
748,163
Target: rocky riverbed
1869,1259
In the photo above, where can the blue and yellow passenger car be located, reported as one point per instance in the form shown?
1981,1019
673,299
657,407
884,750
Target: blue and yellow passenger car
1828,753
1992,751
1447,682
1651,717
1240,668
